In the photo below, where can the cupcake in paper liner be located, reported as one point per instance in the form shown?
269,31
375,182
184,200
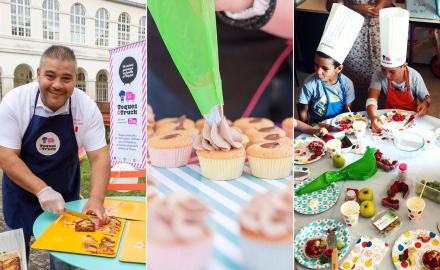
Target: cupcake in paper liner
256,135
178,234
246,123
174,122
220,151
170,150
287,125
192,131
266,226
271,160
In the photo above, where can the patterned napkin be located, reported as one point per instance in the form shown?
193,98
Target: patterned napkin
367,254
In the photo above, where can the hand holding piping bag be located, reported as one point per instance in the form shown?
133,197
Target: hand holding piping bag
188,29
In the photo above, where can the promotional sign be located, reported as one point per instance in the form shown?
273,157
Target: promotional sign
128,105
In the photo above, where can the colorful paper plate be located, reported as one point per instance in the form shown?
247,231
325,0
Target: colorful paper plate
337,120
318,229
393,125
410,240
302,155
300,174
318,201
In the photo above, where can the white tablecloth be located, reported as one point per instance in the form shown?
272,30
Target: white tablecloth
425,164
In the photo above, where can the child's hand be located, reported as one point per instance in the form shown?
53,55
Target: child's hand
376,124
422,108
321,132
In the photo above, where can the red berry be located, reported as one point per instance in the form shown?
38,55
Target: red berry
328,252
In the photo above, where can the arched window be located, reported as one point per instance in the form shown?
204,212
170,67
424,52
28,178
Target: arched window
142,27
77,23
81,80
101,27
123,29
22,75
21,18
51,20
102,87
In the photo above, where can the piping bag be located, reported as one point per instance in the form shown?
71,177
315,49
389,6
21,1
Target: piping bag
188,29
361,169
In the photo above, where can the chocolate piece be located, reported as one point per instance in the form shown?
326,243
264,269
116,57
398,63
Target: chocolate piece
170,136
180,126
270,145
266,129
272,137
255,120
181,119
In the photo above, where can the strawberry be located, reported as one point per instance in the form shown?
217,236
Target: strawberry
328,252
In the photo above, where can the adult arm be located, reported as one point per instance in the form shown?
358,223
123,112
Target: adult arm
100,175
18,171
277,21
11,163
281,23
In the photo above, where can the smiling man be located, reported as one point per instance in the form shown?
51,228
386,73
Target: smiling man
43,125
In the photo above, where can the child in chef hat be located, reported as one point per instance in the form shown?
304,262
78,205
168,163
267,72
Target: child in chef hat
403,86
328,92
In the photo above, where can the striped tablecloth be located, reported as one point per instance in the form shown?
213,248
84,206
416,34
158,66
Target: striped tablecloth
226,198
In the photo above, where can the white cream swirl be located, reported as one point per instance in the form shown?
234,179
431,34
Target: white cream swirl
218,137
269,214
178,217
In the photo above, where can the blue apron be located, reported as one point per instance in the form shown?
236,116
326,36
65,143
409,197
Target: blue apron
59,170
337,107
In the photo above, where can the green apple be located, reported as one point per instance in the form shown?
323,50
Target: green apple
340,245
366,194
338,161
367,209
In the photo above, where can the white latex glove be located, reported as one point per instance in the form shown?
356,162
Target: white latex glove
51,200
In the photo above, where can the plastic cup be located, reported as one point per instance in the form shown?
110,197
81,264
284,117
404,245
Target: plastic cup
415,206
359,128
334,147
350,212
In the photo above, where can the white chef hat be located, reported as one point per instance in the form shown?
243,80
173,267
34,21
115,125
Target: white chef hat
342,27
394,24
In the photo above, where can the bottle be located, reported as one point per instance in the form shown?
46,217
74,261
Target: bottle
403,171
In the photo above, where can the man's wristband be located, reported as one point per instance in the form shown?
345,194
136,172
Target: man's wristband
253,18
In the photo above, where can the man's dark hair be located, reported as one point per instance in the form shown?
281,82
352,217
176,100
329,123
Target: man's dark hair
58,52
323,55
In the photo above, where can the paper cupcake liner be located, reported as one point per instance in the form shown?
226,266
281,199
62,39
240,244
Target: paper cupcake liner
270,168
221,169
170,158
189,256
258,255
